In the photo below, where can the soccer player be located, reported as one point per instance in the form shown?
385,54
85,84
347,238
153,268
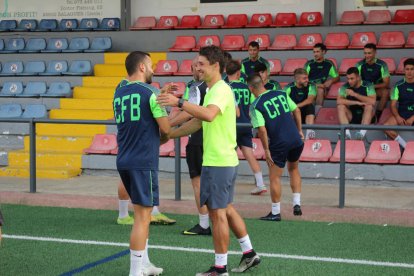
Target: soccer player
403,97
250,62
217,117
303,94
140,121
375,70
322,72
244,134
227,59
269,84
355,102
281,135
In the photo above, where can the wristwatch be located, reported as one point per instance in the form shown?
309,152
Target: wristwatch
180,103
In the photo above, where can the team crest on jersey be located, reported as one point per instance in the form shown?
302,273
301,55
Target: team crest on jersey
214,20
364,38
311,17
262,18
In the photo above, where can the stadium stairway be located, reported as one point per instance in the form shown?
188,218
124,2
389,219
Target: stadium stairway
60,147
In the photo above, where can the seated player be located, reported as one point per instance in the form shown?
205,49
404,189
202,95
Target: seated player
264,74
253,59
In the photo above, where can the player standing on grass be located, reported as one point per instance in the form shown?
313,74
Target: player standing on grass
140,120
217,117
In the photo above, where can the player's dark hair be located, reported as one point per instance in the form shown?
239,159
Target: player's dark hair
254,44
300,71
320,46
409,61
254,80
260,67
213,54
132,61
232,67
227,56
352,70
370,46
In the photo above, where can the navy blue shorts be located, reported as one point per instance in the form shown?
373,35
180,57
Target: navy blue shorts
142,186
291,155
307,110
244,137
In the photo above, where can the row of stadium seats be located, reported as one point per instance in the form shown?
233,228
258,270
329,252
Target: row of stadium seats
55,45
53,68
16,111
376,17
237,42
214,21
45,25
35,89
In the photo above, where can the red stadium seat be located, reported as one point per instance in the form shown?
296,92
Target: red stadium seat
235,21
383,152
334,62
260,20
327,116
354,151
390,63
337,40
403,17
283,42
283,84
361,38
410,40
316,151
275,66
408,155
183,44
351,18
258,150
310,19
166,22
400,69
291,64
156,84
385,115
114,151
334,90
287,19
166,67
180,88
232,42
307,41
207,40
102,144
347,63
212,21
144,23
184,142
189,22
262,39
167,148
185,68
378,17
393,39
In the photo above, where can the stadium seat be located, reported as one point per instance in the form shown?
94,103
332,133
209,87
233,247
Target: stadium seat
33,67
26,25
347,63
275,66
46,25
410,40
359,39
156,84
58,89
337,40
13,45
310,19
282,19
354,152
56,45
114,151
12,68
189,22
386,113
11,89
400,68
408,155
307,41
378,17
334,90
403,17
166,22
283,42
144,23
109,24
235,21
390,63
185,68
167,148
10,110
351,18
262,39
183,142
207,40
183,44
68,25
100,44
1,45
102,144
212,21
34,45
166,67
394,39
88,24
180,88
79,68
260,20
383,152
34,89
77,44
291,64
232,42
316,151
55,68
327,116
8,25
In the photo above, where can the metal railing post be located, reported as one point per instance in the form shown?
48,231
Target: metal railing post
177,149
342,169
32,156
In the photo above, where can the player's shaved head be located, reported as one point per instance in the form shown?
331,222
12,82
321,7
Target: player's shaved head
133,60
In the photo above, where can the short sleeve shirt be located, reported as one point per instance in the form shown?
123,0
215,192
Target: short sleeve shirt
248,65
243,98
273,85
365,89
298,95
403,92
319,72
375,72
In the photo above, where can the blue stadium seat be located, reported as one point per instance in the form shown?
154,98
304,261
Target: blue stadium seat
12,68
56,45
1,44
13,45
67,25
10,110
109,24
34,89
8,25
58,89
100,44
47,25
79,67
34,45
11,89
88,24
33,68
77,44
35,111
55,68
27,25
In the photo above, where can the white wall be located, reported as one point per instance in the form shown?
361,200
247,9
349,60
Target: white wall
350,5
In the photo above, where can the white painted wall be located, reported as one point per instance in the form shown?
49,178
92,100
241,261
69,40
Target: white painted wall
350,5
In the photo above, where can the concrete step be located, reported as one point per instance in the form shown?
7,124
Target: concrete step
54,173
55,144
101,82
109,70
94,92
81,114
70,130
90,104
21,158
